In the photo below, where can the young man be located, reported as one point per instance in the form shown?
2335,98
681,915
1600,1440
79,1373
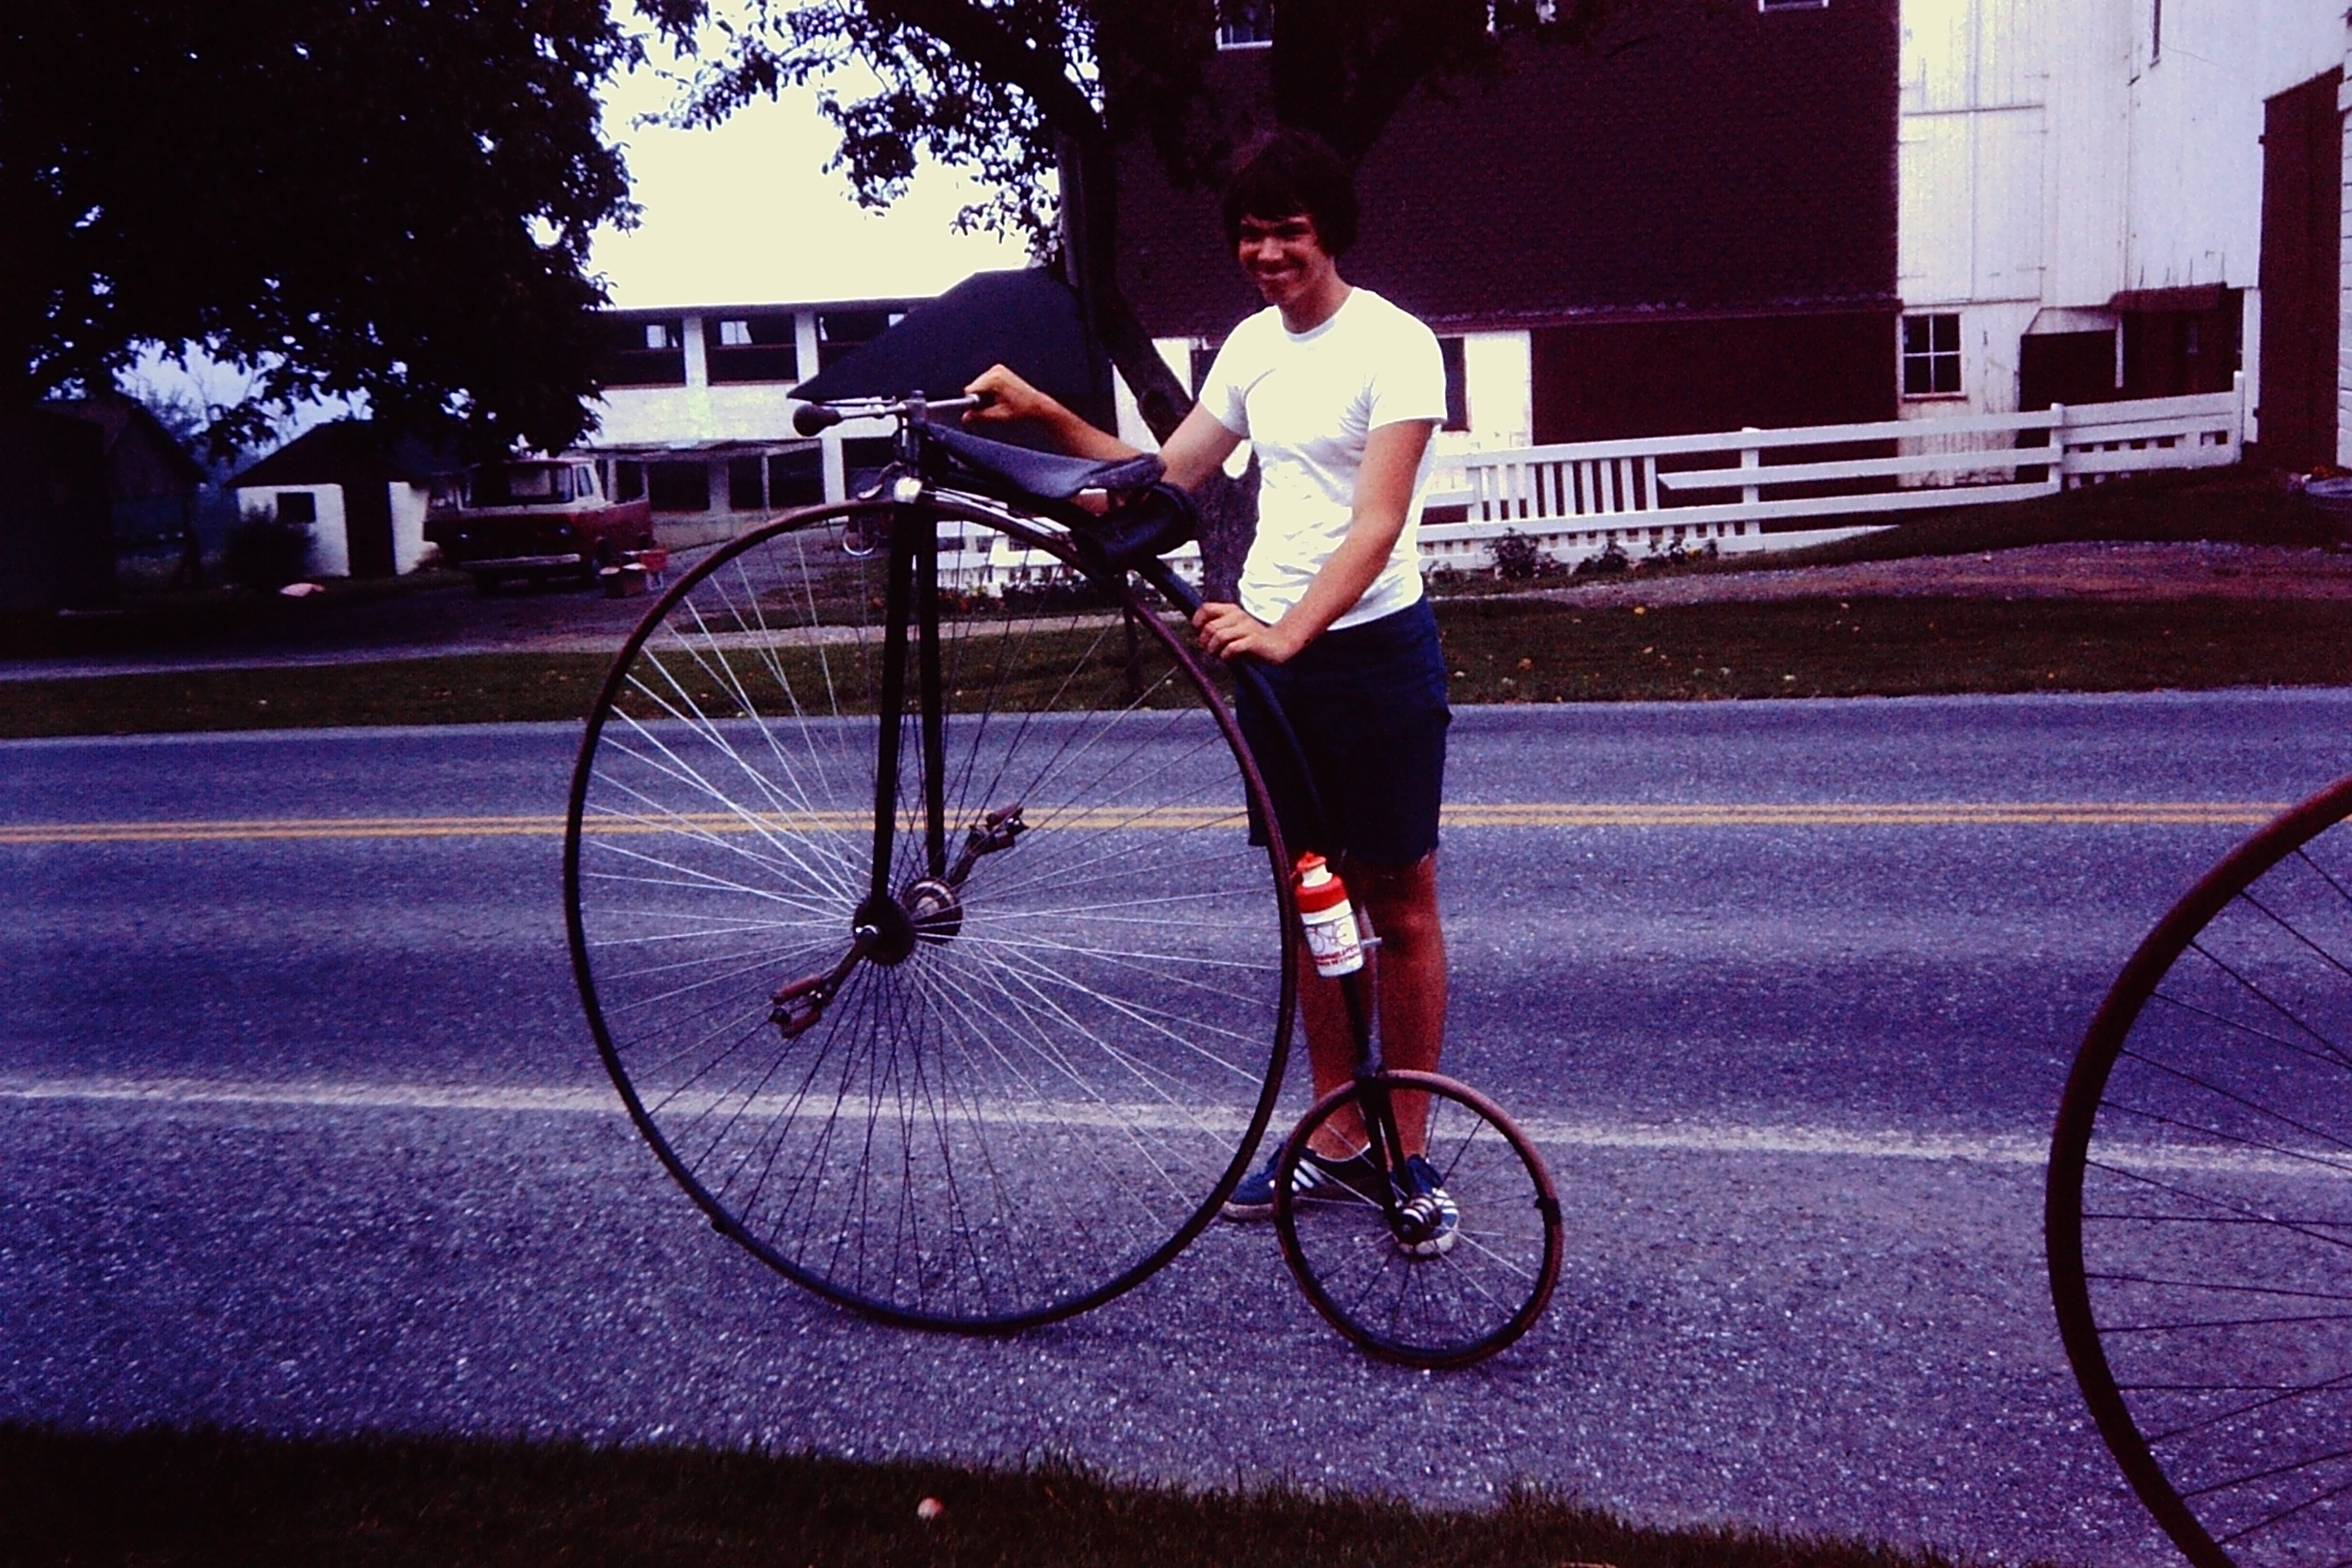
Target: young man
1339,390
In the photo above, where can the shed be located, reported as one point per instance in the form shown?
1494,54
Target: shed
55,550
150,478
362,492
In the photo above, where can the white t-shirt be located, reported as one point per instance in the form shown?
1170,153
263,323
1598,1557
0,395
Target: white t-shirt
1308,402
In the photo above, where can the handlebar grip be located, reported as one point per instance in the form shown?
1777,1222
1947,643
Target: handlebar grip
811,418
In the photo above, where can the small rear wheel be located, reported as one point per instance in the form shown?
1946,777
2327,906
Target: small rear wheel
1395,1292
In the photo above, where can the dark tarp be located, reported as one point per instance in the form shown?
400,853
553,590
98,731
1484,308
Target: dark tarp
1028,319
57,550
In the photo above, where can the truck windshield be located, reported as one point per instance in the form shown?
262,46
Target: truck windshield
520,484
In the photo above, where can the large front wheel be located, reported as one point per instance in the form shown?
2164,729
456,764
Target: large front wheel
2200,1205
1008,1076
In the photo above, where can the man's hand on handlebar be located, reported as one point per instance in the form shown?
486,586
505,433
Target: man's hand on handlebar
1004,397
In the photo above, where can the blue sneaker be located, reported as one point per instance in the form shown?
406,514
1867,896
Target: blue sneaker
1428,1221
1318,1179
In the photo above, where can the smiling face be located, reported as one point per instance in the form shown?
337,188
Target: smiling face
1286,259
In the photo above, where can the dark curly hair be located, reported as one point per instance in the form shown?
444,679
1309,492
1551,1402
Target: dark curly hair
1289,173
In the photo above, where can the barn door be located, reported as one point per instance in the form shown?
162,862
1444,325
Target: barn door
367,527
2303,218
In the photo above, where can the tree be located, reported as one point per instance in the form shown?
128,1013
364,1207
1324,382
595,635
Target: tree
383,199
1043,98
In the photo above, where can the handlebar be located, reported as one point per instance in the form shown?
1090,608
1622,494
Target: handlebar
812,417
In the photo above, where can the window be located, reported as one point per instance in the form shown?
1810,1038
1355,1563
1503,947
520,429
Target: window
1457,384
839,331
1931,355
744,492
862,460
678,487
758,345
796,479
628,480
520,484
1244,24
641,353
297,509
1204,356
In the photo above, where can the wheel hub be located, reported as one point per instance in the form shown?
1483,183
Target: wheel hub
933,907
893,928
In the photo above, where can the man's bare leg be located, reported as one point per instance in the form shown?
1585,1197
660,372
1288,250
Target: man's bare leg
1402,903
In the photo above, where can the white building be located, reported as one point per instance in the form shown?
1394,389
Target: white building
697,406
359,497
2124,198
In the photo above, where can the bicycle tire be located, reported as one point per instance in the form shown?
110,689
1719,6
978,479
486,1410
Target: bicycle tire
1051,1092
2197,1214
1444,1310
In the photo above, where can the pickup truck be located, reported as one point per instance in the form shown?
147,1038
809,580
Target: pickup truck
536,518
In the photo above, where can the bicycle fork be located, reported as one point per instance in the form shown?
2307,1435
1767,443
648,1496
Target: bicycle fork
889,921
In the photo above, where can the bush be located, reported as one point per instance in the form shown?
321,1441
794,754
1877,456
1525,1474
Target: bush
265,555
1608,563
1519,559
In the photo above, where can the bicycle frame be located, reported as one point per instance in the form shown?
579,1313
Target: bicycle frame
1387,1139
911,615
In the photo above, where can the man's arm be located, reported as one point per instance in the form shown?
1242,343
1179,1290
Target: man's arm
1383,496
1198,446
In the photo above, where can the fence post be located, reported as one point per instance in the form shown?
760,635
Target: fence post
2058,447
1750,457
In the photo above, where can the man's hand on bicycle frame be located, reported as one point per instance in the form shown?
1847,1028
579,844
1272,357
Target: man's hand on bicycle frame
1228,632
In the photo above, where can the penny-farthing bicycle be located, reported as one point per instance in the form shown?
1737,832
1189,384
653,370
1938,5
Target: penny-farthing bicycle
2200,1205
912,903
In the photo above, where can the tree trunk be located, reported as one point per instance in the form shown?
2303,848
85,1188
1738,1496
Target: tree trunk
1089,171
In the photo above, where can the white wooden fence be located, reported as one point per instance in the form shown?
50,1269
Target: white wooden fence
1648,497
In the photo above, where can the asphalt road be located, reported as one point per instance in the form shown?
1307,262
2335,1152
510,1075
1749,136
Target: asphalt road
304,1131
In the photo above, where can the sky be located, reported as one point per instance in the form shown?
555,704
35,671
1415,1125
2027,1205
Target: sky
747,214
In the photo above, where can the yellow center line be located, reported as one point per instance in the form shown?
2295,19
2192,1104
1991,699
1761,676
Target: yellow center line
1532,814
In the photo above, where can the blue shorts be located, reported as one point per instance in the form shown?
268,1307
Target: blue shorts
1368,705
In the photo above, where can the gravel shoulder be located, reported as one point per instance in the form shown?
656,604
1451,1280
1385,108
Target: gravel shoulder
2135,572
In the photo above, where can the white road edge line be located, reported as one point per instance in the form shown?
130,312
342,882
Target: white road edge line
1729,1139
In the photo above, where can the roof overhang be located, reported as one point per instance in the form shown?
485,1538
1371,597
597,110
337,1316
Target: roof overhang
2053,320
2197,297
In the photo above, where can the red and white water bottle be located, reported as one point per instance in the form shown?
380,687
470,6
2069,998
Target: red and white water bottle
1329,919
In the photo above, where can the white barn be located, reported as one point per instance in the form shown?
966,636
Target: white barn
2103,199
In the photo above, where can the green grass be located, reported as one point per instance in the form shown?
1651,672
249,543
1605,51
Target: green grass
159,1497
1529,652
465,689
1501,651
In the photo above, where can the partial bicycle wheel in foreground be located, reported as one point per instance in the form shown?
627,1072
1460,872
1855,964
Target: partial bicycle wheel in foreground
2199,1206
1014,1072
